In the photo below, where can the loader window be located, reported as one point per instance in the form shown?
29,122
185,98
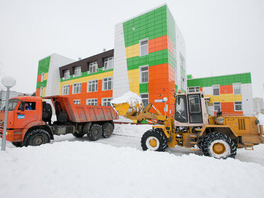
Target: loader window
181,109
195,111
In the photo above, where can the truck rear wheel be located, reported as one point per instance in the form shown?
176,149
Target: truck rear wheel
108,129
154,140
95,132
218,145
37,137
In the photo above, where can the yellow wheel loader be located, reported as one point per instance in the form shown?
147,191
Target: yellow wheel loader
216,136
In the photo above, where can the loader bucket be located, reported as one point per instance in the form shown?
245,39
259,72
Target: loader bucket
122,108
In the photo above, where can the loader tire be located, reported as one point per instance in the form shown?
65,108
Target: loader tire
108,129
218,145
36,137
154,140
95,132
78,135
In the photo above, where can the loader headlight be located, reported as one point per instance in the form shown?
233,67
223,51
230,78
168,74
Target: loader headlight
220,120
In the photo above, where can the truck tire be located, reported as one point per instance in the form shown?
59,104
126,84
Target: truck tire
78,135
108,129
218,145
36,137
17,144
95,132
154,140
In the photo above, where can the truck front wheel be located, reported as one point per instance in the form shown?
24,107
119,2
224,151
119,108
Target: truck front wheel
37,137
95,132
218,145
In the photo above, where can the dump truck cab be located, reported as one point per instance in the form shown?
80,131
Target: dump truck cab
24,112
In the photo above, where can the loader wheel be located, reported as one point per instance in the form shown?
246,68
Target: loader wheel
78,135
95,132
108,129
218,145
37,137
154,140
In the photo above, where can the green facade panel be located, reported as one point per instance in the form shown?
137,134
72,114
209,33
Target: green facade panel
84,74
220,80
150,25
43,66
155,58
42,84
171,27
143,88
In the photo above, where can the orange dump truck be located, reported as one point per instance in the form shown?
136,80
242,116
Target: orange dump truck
29,120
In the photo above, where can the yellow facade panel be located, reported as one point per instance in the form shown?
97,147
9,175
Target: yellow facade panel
87,78
224,98
133,78
46,76
132,51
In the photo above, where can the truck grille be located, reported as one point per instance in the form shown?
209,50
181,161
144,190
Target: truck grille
241,124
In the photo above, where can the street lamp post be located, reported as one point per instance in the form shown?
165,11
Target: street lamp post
8,82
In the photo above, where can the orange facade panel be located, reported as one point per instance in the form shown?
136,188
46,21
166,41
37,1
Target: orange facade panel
39,78
228,108
170,46
158,44
226,89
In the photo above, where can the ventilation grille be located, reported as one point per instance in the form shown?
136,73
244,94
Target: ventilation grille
241,124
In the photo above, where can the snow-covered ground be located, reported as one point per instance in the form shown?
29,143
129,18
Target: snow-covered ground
116,167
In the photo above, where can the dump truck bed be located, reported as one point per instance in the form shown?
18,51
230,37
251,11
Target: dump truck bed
83,113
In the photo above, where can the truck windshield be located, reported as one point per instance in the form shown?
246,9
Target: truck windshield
12,103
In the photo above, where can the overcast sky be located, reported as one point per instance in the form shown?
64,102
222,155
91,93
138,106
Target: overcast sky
221,37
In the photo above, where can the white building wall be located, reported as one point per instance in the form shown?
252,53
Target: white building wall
53,81
247,99
180,51
120,85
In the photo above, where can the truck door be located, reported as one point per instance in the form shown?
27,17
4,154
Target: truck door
25,113
195,110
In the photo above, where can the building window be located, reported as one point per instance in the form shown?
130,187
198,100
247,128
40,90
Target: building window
77,102
76,88
193,89
145,99
93,68
217,106
216,90
66,74
144,74
237,89
92,85
143,47
91,101
238,106
106,101
108,63
42,77
77,71
107,83
41,91
65,89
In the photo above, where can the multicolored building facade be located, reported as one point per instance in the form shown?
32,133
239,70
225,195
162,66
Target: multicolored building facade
148,59
232,94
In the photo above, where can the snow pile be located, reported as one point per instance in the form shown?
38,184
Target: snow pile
90,169
131,98
261,118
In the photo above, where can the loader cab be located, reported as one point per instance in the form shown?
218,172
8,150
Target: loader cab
190,108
